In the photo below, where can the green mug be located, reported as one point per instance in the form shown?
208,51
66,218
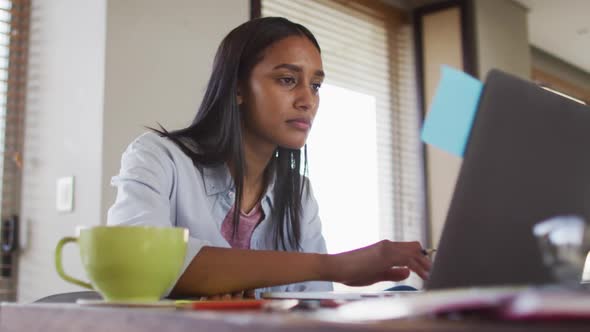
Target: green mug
128,263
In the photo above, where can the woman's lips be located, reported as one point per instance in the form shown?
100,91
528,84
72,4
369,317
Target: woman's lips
301,124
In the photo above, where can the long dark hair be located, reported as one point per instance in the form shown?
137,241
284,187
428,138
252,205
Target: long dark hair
215,135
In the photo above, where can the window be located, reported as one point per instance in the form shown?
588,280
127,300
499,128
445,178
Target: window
365,157
560,86
559,76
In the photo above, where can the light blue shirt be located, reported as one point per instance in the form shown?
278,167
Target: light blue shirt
158,185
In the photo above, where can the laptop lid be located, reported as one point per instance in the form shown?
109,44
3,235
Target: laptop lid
527,159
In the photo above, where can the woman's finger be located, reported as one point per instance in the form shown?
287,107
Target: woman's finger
423,261
415,266
396,274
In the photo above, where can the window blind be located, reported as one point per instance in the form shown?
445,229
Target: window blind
14,22
367,49
14,31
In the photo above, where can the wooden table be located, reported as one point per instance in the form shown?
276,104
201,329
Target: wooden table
71,317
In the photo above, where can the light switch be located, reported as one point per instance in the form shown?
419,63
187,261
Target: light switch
65,194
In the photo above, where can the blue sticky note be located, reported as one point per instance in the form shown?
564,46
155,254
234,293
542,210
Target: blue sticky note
448,124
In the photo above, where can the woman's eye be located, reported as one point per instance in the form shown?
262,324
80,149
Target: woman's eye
316,86
287,80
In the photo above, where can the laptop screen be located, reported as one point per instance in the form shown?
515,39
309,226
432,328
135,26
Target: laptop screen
527,159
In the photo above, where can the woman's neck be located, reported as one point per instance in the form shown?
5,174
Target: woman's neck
256,159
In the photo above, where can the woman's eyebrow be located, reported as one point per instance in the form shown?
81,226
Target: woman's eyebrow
297,69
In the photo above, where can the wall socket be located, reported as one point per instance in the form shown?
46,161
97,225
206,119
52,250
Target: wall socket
65,194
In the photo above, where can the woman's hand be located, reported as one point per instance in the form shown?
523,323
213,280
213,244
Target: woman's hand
382,261
216,271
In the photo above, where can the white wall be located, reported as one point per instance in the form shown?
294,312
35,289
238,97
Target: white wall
63,134
502,37
158,60
99,71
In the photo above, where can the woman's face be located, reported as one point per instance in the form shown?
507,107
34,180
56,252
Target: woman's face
280,99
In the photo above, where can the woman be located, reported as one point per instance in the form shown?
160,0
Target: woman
233,177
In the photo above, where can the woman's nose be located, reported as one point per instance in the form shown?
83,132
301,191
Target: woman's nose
306,98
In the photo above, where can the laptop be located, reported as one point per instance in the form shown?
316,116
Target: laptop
527,159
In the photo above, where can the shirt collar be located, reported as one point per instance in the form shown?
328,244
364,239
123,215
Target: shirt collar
217,179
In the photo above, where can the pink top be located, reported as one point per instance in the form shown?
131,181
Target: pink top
248,222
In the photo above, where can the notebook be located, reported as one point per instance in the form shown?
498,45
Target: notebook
336,295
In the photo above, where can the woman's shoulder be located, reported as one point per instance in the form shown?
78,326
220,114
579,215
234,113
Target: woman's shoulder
153,140
151,146
154,143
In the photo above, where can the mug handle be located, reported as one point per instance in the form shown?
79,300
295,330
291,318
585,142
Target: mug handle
59,266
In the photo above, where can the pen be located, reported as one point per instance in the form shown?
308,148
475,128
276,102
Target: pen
238,304
427,252
229,304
